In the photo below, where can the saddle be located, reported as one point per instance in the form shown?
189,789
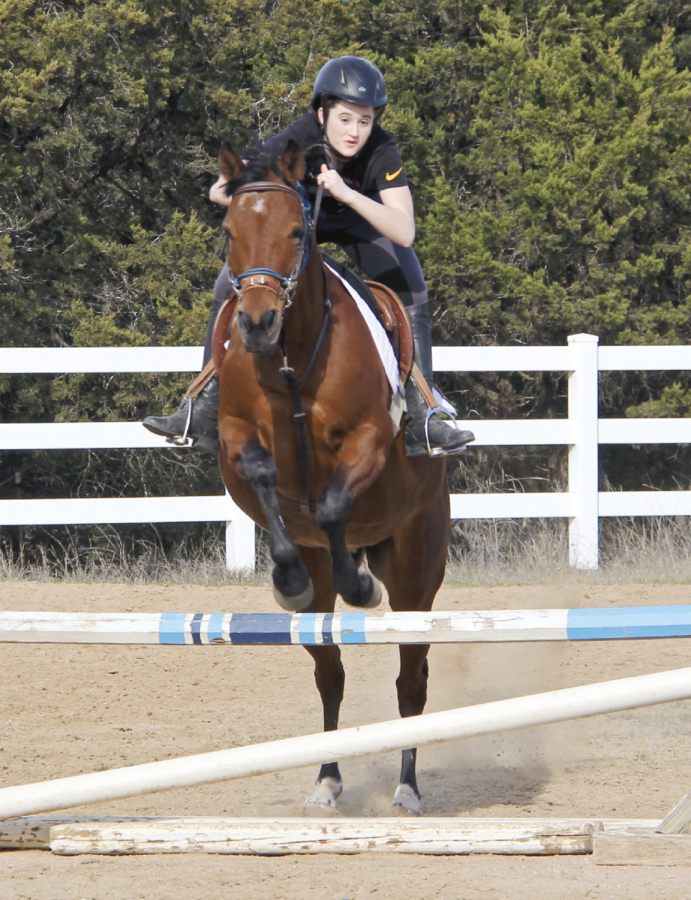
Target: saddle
387,305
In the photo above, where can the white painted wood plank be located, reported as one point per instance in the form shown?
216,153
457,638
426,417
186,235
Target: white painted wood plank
302,836
523,432
56,360
512,506
626,849
49,360
33,832
396,628
676,820
644,431
645,503
92,628
454,627
98,435
79,435
675,358
117,510
501,359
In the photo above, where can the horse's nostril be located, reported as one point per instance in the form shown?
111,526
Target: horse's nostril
268,320
244,322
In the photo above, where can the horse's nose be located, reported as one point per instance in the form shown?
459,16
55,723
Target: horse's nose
259,336
269,320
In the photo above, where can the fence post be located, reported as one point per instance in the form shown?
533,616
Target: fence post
583,452
239,540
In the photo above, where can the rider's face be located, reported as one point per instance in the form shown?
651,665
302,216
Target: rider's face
348,126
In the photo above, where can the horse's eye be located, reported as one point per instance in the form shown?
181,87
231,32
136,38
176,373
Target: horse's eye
297,234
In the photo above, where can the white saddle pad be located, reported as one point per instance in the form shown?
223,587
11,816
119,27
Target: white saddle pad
383,346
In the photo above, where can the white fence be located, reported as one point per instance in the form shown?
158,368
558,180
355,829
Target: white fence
582,432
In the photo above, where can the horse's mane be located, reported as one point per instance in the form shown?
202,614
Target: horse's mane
260,161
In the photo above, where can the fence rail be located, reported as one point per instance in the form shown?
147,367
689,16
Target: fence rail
582,432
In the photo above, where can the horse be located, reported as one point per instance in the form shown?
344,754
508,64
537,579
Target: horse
307,446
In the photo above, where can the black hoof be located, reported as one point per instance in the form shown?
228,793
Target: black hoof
368,594
291,582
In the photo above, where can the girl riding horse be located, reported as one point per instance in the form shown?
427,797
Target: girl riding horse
368,211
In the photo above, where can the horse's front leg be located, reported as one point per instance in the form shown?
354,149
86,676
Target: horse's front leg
292,584
361,461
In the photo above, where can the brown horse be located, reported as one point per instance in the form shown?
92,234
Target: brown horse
296,329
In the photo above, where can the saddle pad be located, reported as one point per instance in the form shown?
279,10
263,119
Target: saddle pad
381,340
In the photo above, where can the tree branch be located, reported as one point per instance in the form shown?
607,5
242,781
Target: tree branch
108,161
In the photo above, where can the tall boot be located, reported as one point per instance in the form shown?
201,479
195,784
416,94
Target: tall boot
425,434
195,419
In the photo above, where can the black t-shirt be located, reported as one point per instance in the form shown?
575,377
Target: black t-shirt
375,168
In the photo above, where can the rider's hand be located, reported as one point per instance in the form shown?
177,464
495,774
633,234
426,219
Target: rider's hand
333,183
217,192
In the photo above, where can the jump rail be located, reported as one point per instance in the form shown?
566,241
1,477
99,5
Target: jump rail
347,628
582,432
333,746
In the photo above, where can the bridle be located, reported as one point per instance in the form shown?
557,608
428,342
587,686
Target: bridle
258,275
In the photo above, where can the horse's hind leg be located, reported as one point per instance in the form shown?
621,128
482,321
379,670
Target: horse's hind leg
411,564
328,674
292,585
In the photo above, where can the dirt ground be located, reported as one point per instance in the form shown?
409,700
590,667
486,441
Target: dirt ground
67,709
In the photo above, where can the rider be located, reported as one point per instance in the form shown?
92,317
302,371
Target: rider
369,212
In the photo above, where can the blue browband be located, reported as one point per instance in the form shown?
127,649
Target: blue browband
290,283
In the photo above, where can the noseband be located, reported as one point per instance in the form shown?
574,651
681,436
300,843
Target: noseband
258,275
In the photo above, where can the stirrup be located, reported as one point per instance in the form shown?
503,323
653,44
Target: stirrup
183,440
449,411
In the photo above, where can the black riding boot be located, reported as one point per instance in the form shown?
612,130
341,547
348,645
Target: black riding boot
444,439
203,420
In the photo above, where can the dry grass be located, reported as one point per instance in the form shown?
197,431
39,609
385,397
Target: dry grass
486,552
535,551
111,560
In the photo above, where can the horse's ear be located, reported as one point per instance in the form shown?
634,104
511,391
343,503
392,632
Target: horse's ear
229,163
292,164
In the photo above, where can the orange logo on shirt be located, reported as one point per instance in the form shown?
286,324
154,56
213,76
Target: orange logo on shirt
391,177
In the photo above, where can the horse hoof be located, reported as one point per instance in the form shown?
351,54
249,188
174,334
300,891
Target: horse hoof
298,603
327,792
368,594
406,801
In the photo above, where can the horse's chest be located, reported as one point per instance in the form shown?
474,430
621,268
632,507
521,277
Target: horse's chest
324,431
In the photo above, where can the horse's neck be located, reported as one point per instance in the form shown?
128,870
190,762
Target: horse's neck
304,320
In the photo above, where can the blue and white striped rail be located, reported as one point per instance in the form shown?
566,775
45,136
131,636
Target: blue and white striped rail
348,627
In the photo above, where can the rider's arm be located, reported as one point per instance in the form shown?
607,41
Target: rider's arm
304,131
394,217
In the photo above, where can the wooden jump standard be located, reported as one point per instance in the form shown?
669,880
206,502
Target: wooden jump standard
347,627
293,753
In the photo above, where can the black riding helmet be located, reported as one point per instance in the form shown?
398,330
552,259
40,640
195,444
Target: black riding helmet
350,78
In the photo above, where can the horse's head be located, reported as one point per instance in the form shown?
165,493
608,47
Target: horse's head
268,239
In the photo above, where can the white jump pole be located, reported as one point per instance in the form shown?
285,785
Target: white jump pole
314,749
